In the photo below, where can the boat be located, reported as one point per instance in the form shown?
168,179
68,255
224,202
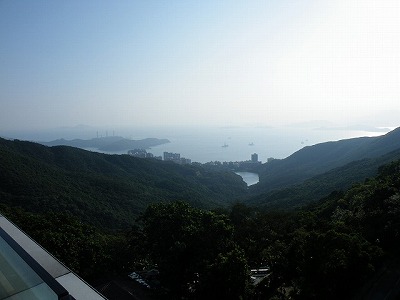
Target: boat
251,144
224,145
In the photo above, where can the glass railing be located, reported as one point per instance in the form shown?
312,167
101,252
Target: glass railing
21,277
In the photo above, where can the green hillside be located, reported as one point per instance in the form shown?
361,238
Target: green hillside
340,247
344,246
322,185
104,190
320,158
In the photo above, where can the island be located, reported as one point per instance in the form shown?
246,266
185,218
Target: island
109,144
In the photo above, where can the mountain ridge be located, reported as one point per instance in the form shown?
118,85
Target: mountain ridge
106,190
317,159
320,186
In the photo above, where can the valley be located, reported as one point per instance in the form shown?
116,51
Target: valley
126,213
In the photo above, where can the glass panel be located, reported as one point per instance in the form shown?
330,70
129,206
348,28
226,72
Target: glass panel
41,291
17,279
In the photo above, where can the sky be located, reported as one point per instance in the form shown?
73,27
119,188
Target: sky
210,62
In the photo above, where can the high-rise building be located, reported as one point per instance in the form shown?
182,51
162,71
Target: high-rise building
172,156
254,157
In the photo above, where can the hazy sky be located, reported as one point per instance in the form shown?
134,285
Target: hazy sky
212,62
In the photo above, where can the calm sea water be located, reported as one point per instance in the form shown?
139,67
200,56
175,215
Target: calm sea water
206,144
237,144
249,178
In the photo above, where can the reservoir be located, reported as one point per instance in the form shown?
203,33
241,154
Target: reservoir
248,177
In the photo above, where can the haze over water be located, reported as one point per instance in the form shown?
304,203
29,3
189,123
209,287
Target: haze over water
200,63
204,144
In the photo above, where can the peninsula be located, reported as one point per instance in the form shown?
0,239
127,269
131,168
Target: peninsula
112,143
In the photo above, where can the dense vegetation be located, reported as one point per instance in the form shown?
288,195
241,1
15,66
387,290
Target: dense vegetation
320,186
326,251
107,215
89,251
317,159
108,191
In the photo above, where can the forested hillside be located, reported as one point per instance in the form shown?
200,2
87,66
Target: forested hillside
104,190
317,159
322,185
336,249
107,215
343,247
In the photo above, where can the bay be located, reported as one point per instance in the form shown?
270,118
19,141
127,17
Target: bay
205,144
248,177
238,144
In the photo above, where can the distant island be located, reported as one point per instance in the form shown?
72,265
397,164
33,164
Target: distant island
112,143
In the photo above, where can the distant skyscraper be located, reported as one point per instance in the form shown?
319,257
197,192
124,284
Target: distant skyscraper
254,157
172,156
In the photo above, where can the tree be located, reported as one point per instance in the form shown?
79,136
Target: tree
192,248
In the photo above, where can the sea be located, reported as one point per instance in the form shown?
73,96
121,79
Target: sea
249,178
206,144
210,144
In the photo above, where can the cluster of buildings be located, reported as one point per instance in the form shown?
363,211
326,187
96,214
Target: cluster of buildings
176,158
141,153
168,156
237,165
